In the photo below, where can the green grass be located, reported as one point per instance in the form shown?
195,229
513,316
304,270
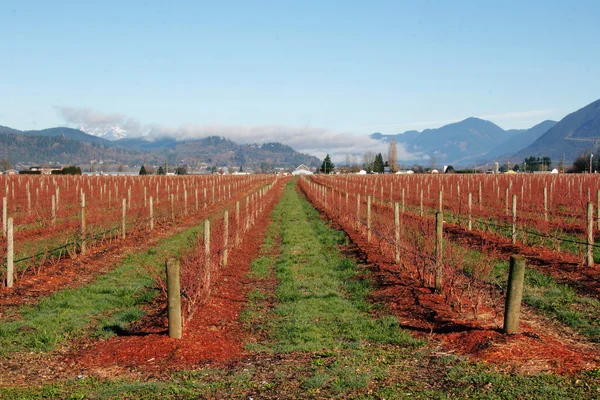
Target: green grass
101,309
321,302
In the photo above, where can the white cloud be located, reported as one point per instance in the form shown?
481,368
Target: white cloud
312,140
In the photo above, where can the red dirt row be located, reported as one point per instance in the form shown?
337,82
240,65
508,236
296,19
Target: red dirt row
78,271
214,335
540,346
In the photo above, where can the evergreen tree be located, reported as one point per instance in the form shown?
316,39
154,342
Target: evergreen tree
160,171
327,166
378,164
143,171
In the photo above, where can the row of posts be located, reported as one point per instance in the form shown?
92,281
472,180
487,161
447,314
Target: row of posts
173,265
516,274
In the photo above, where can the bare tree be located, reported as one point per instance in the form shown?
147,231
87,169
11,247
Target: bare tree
392,156
5,165
432,162
368,160
355,167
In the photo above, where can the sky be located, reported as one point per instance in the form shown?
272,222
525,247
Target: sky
309,73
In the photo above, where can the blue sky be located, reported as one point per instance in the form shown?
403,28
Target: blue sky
338,67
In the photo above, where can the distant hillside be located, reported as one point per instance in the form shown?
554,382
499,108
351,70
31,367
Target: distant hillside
454,143
574,134
72,146
220,151
34,149
521,139
70,133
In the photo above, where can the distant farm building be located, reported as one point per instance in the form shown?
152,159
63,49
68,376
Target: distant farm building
302,170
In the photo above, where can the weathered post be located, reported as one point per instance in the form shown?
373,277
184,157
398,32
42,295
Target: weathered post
173,298
368,219
470,201
151,213
402,199
225,238
172,207
439,230
83,241
123,215
185,205
514,219
545,203
590,234
207,263
4,215
358,211
237,223
10,254
514,294
397,231
53,209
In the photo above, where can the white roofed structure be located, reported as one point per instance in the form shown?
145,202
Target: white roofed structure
302,170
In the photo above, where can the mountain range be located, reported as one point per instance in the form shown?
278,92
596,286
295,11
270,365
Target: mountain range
475,140
576,133
73,146
467,141
463,143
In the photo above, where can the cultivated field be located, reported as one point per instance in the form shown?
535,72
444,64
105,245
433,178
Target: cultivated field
317,287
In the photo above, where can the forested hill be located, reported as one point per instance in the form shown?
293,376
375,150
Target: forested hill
72,146
33,149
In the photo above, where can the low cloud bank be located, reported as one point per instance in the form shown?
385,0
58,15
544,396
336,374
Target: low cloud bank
312,140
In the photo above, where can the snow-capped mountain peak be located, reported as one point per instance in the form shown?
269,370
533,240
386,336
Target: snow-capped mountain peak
109,133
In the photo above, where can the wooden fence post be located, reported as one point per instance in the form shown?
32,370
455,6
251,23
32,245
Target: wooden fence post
83,227
207,263
470,204
590,234
185,205
172,207
123,215
53,209
10,253
173,298
358,211
4,215
151,213
514,219
237,223
368,219
439,230
397,231
514,294
225,238
545,203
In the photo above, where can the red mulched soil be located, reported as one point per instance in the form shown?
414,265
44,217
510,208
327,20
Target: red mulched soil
215,335
564,267
540,346
79,271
